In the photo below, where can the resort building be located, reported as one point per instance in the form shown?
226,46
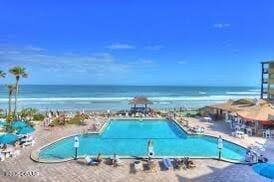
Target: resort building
267,83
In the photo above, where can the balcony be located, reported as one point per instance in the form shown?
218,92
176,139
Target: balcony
265,70
265,81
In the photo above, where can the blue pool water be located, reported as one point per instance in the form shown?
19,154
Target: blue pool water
130,138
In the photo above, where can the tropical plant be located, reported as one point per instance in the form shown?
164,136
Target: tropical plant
38,117
9,118
27,113
11,88
18,72
2,74
77,119
8,128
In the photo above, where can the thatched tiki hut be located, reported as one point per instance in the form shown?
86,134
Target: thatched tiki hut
255,116
140,100
262,116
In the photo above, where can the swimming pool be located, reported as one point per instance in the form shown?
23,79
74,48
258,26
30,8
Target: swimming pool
129,138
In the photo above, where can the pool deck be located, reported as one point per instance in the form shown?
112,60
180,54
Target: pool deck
206,170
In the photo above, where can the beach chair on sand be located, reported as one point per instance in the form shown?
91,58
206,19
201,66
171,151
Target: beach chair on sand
167,164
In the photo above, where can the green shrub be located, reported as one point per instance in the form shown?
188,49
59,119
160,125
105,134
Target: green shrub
56,121
76,119
9,118
38,117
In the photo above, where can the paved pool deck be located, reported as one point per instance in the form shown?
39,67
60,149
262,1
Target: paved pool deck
207,170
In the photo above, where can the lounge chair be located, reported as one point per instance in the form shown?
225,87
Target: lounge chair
90,161
138,166
116,161
29,143
179,164
189,163
93,162
16,153
167,164
151,166
2,156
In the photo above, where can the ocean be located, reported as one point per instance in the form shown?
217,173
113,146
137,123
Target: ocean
72,98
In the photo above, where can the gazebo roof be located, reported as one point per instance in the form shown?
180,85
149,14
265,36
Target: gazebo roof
140,100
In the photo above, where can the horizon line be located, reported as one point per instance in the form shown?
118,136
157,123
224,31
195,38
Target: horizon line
137,85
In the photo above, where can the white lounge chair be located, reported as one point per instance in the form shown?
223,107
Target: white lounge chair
116,161
16,153
2,156
29,143
88,160
138,166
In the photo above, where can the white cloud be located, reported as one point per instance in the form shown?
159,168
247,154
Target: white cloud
143,64
120,46
154,47
181,62
33,48
221,25
96,65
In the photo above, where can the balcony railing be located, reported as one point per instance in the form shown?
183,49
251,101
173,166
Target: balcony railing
265,80
265,70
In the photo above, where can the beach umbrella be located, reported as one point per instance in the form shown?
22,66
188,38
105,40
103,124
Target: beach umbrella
8,138
18,124
265,169
25,130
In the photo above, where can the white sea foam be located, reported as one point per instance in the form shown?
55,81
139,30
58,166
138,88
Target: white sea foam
242,93
121,99
255,90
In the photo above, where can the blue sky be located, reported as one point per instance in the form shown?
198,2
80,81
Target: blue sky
138,42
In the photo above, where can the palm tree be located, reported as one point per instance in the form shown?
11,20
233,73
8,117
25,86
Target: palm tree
11,88
18,72
2,74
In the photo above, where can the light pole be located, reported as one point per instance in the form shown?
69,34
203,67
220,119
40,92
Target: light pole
150,149
76,146
220,146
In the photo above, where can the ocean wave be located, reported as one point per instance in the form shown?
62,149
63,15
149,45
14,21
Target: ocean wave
243,93
48,99
124,99
202,93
